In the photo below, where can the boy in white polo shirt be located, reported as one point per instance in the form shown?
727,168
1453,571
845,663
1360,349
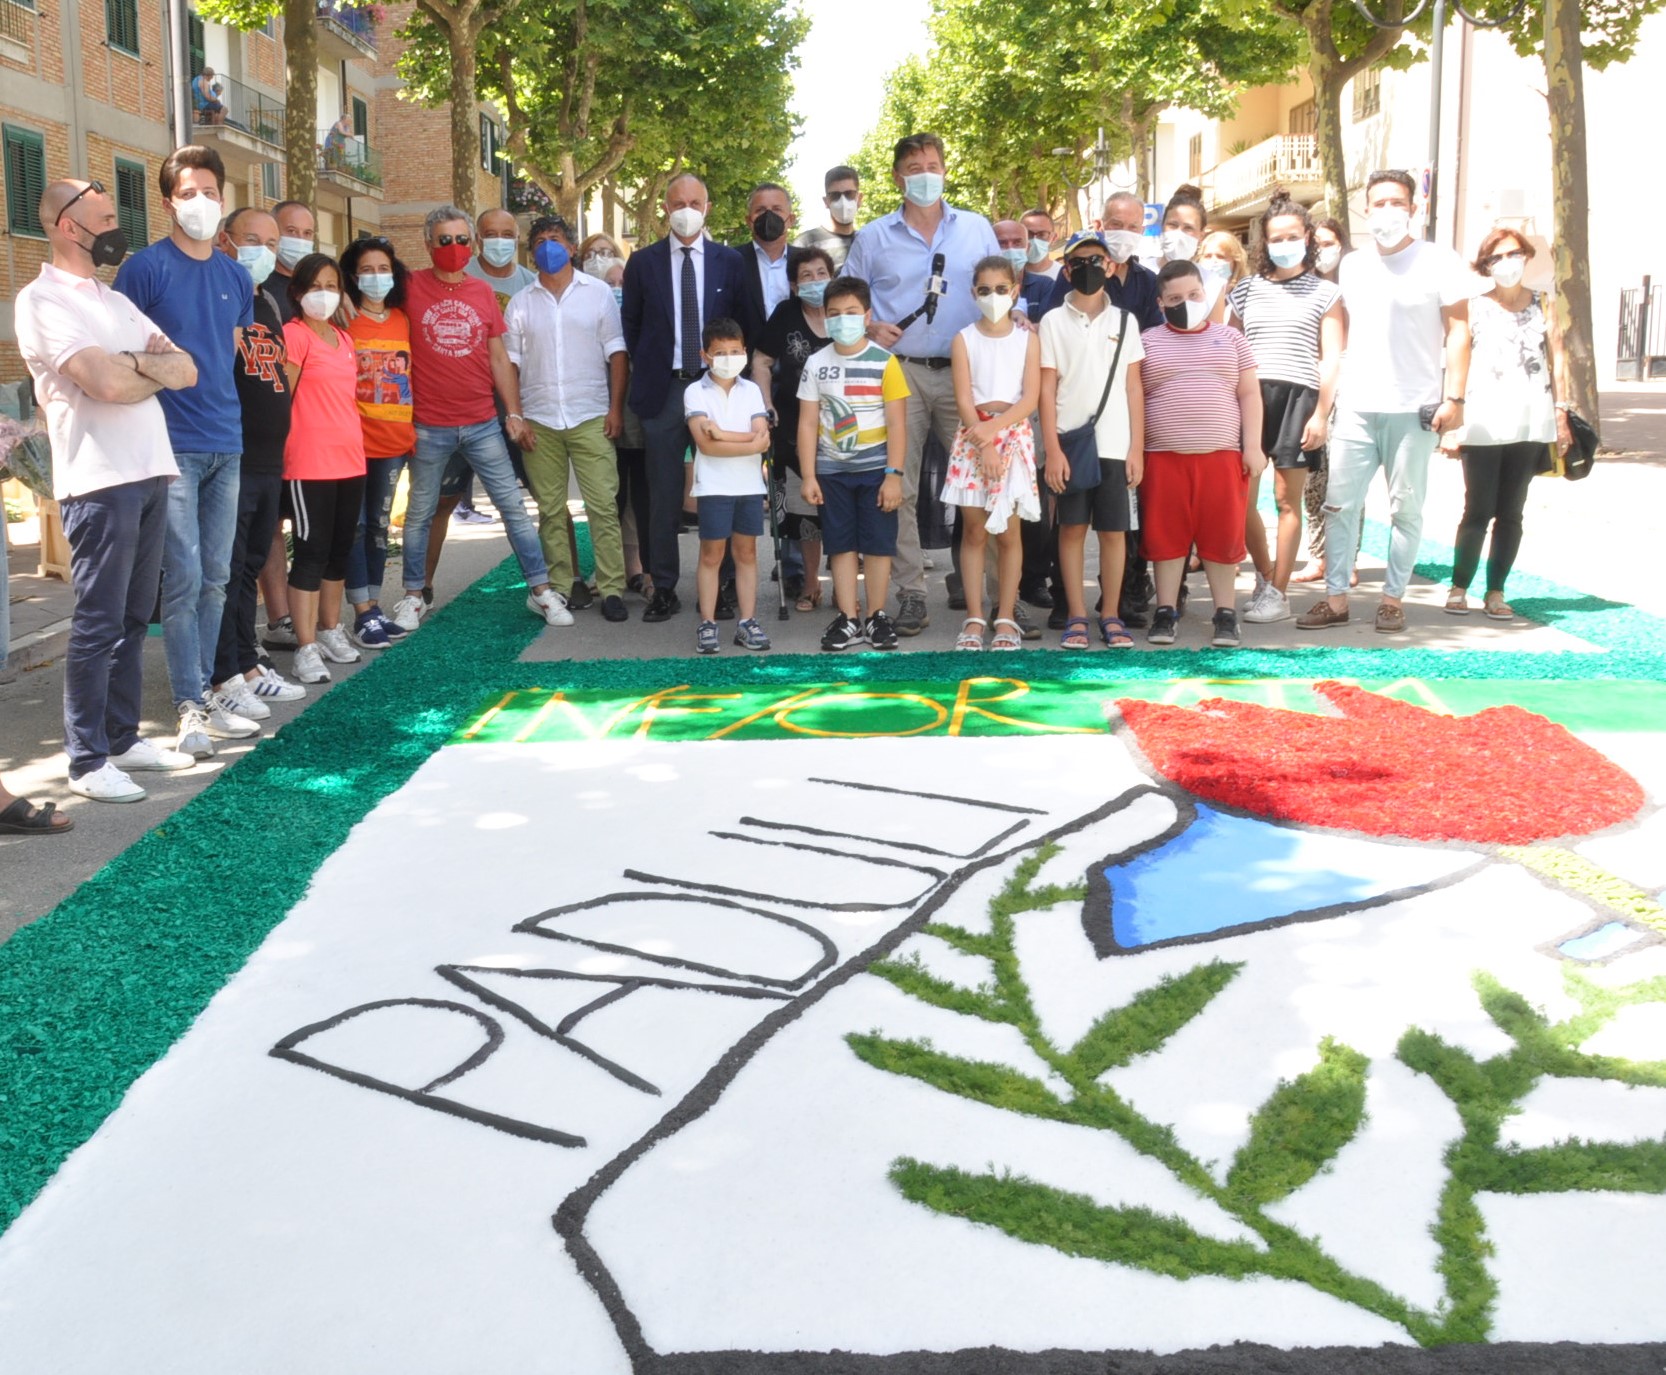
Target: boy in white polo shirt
729,423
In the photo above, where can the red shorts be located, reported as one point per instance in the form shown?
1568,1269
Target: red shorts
1188,499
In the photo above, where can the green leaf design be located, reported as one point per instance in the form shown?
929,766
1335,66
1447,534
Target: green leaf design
1302,1127
912,978
1634,1167
979,1080
1141,1026
1075,1224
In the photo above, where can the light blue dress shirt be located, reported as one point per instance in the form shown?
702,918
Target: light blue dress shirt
895,260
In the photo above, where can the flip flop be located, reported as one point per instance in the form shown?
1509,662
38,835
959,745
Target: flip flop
23,818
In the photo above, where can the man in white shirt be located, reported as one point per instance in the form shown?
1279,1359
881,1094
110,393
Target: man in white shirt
568,346
97,363
844,197
1408,311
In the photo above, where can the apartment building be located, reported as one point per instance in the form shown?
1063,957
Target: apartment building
87,90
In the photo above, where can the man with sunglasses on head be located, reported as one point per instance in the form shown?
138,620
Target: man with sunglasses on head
98,364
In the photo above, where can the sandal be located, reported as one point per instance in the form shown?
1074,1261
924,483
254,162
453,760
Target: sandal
969,638
1007,639
1457,602
1114,632
23,818
1075,633
1496,608
809,600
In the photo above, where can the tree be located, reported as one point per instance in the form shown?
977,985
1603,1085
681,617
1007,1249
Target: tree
461,26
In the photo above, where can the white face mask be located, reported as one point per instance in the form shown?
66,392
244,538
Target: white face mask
291,250
923,188
498,252
1329,257
994,307
600,264
199,217
687,222
1036,251
1288,253
1388,225
728,365
1509,271
1178,246
842,209
1122,244
320,305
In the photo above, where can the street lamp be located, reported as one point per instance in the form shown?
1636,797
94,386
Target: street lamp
1436,53
1101,154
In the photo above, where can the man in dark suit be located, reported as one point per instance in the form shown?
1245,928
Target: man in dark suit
673,288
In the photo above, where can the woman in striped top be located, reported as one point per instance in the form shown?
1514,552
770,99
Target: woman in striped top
1292,319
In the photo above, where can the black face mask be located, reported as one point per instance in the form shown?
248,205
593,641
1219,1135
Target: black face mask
768,227
1176,315
1087,275
106,249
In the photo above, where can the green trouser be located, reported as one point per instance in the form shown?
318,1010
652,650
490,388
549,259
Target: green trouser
589,453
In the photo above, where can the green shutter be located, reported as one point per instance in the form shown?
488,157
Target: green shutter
131,211
194,42
25,180
121,24
361,120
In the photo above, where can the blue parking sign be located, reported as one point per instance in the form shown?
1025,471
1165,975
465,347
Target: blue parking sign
1153,219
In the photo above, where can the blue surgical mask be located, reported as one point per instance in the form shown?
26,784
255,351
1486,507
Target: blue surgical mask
497,252
291,250
552,257
923,188
846,329
1288,253
257,259
619,296
1036,250
375,286
812,293
1017,257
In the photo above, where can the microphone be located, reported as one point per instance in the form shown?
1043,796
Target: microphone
936,287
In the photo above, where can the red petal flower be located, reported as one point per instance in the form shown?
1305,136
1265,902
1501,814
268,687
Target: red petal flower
1384,767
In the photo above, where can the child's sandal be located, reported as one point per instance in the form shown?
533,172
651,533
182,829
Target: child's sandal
1075,633
1114,632
969,638
1007,639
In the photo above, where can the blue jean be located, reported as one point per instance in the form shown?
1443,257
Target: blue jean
116,537
369,559
1360,443
482,444
196,564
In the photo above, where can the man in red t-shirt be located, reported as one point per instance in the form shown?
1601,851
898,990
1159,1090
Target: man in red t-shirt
458,361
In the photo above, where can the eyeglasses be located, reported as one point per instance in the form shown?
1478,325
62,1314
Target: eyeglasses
97,186
446,240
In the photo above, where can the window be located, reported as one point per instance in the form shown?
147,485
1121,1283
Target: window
1368,92
271,180
25,180
488,144
361,121
1194,157
195,45
130,202
121,25
1304,118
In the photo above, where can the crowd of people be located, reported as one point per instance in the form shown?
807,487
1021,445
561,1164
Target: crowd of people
235,379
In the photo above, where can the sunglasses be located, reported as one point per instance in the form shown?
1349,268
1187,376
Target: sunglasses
91,186
446,240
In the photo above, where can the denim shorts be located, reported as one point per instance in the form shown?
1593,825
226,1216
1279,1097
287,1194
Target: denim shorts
851,521
721,517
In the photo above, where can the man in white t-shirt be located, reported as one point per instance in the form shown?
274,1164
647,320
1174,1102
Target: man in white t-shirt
1408,313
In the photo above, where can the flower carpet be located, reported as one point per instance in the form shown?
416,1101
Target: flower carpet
1296,1010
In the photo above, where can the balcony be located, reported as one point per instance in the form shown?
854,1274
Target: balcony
346,34
1243,186
248,133
347,167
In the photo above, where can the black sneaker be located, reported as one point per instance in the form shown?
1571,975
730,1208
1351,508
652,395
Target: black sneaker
727,601
1027,629
1163,621
613,609
881,631
957,592
1226,629
843,634
1038,595
580,598
912,616
1057,617
662,606
428,596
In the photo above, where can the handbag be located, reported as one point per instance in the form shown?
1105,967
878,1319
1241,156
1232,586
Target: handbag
1580,458
1081,443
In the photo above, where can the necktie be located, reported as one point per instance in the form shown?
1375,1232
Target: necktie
691,312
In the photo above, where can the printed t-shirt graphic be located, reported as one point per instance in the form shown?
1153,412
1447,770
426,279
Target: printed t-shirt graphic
383,357
263,389
851,391
452,326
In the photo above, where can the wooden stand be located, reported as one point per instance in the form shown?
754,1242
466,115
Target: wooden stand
54,545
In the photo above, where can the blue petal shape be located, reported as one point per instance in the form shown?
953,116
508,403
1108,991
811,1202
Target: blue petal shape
1226,872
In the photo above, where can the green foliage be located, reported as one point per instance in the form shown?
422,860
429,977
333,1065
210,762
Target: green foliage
1141,1027
978,1080
1302,1126
1610,28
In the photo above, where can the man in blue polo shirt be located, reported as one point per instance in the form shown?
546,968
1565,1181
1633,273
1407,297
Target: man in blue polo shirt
894,255
201,300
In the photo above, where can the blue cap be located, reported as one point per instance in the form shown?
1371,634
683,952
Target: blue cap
1082,236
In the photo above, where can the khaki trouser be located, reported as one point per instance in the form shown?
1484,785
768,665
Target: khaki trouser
930,407
588,452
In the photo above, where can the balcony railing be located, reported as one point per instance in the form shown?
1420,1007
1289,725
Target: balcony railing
354,26
349,157
1287,160
247,110
17,23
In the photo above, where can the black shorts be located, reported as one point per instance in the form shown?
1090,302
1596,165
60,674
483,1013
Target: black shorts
1286,407
1106,507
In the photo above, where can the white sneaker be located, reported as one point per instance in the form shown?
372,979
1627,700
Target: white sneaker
551,605
193,732
1258,590
235,696
334,646
1272,605
144,755
407,612
226,724
107,784
273,686
309,665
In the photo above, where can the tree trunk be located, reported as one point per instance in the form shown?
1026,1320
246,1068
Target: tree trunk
1328,79
300,132
465,122
569,195
1571,246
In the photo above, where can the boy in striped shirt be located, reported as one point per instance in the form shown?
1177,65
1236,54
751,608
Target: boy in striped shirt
851,441
1202,445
